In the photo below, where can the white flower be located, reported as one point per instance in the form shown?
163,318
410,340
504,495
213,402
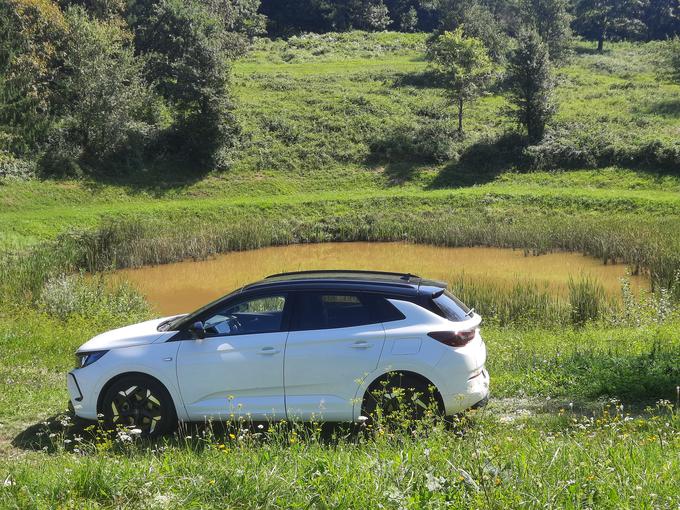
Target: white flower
362,418
136,432
260,426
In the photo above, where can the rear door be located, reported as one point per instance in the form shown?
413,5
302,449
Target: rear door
336,339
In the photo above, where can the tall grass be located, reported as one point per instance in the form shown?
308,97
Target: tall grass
586,298
651,245
608,459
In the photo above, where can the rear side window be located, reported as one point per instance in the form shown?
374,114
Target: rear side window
337,310
451,307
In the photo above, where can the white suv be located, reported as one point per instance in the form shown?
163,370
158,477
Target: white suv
306,345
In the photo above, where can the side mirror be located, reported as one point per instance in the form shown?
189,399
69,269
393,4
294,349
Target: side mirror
197,330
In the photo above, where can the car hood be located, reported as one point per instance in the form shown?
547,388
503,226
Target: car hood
136,334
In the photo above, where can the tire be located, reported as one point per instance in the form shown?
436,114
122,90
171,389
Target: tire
414,399
140,402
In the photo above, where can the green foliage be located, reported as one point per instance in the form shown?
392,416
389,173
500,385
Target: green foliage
599,20
464,66
661,19
551,19
672,59
531,85
65,295
185,46
477,20
32,35
105,108
586,298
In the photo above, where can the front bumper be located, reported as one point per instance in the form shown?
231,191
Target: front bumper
76,397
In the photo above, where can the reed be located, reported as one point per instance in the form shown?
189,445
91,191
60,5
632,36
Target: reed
645,244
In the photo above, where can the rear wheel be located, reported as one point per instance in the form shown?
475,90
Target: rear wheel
401,397
138,402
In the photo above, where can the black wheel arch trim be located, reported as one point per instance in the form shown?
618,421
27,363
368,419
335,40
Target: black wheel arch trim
123,375
404,373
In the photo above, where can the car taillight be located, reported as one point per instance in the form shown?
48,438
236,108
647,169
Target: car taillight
453,338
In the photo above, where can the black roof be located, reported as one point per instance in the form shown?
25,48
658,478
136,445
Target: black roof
394,284
342,279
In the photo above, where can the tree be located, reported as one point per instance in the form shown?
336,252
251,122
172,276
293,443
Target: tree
374,16
104,105
464,65
661,19
186,45
551,19
599,20
32,35
532,84
478,21
408,21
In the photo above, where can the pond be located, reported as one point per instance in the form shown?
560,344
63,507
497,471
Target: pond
184,286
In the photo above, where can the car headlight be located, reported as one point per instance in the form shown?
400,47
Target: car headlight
84,359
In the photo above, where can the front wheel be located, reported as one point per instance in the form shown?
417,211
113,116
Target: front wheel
138,402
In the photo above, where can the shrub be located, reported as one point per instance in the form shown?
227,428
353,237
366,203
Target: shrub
15,168
431,140
66,295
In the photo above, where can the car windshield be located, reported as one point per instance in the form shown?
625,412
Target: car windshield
175,323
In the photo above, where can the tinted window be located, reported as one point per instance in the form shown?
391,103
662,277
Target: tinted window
451,307
256,315
325,311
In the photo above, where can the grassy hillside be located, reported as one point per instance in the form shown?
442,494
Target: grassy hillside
344,138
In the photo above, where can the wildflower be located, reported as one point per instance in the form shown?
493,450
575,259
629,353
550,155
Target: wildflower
136,432
232,436
362,418
260,426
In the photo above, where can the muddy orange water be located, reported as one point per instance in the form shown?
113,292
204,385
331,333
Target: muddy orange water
184,286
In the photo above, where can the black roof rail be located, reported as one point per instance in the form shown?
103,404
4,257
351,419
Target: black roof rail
402,276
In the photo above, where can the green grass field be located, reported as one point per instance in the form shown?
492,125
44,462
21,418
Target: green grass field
343,138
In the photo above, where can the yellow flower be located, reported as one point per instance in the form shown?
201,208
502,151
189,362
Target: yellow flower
232,436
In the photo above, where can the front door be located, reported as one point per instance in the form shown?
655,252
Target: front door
237,369
335,341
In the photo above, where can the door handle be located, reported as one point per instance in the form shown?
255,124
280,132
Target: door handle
360,345
269,350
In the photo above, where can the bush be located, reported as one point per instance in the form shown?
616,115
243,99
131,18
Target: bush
66,295
431,140
15,168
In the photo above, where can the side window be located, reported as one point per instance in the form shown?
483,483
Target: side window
256,315
326,310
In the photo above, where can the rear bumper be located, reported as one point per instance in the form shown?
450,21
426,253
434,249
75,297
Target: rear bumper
475,394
